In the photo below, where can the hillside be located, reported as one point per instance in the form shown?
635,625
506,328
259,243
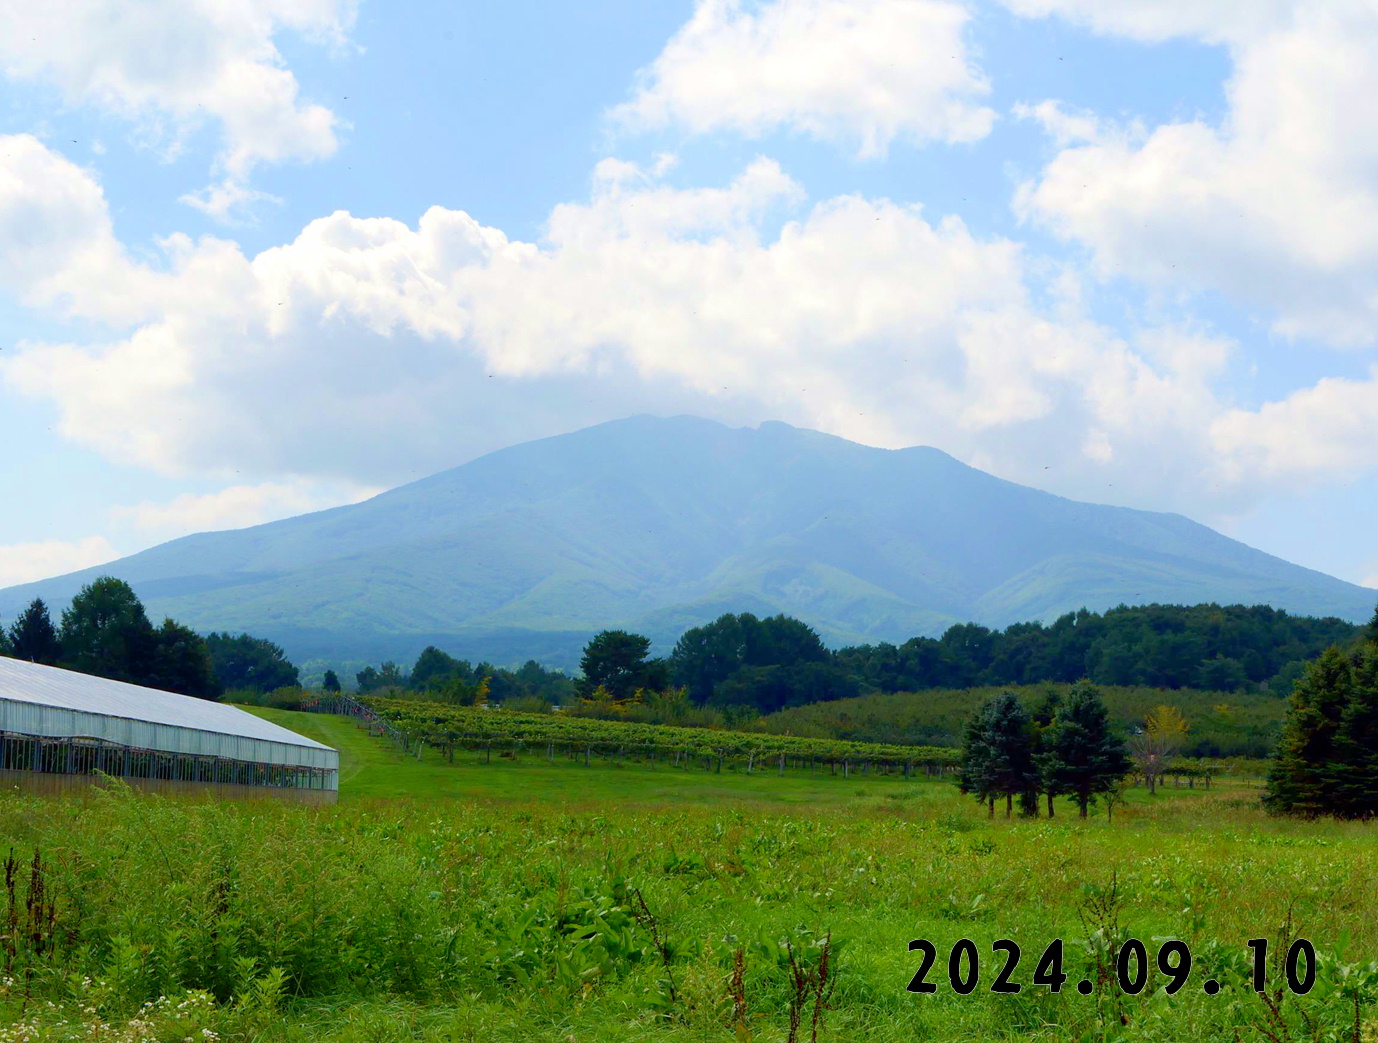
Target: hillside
659,524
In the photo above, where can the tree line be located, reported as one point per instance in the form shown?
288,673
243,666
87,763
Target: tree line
457,681
769,664
106,632
1213,647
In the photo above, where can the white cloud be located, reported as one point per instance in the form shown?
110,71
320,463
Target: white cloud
1216,21
237,507
858,72
1277,206
170,65
369,351
1327,430
26,562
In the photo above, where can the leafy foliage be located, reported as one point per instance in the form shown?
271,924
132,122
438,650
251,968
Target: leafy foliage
1168,646
471,727
618,662
250,662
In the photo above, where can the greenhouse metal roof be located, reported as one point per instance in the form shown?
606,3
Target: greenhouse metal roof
26,682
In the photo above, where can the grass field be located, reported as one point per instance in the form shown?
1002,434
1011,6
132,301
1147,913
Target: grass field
500,902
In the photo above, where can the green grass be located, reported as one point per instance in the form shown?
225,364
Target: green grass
487,902
1222,724
370,767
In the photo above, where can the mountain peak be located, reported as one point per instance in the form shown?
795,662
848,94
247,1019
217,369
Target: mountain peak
660,523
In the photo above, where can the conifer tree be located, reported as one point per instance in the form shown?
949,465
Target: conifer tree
1044,716
997,755
33,636
1302,778
1353,773
331,682
1082,756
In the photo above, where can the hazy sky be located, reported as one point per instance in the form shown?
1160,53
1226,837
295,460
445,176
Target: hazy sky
267,256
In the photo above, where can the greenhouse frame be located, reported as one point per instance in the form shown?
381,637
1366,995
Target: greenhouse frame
59,729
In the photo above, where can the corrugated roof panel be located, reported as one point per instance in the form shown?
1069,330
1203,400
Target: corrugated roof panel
50,686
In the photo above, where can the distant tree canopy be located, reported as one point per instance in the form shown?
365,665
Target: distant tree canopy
457,680
106,632
250,662
617,662
740,660
1166,646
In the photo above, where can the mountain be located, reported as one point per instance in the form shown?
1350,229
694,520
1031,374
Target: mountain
659,524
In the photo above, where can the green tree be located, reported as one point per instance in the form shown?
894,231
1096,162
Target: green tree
182,663
435,668
1081,755
997,753
33,637
1354,770
331,682
1044,716
1301,779
616,660
250,662
106,632
389,675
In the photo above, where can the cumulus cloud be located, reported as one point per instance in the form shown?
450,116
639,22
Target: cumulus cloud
170,65
1329,429
370,351
858,72
237,507
1277,206
26,562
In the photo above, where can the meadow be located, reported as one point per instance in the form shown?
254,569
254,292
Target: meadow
519,899
1223,724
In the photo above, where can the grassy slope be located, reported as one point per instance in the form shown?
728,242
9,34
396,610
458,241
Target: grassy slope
1236,723
372,768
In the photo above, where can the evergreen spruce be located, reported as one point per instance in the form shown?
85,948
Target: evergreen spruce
1044,715
331,682
1081,755
998,755
33,636
1353,773
1303,776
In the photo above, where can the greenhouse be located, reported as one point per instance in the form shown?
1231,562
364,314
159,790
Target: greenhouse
59,728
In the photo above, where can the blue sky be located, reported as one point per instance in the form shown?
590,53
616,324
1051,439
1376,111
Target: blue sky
263,260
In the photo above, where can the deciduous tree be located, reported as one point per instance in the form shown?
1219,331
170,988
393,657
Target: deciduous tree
106,632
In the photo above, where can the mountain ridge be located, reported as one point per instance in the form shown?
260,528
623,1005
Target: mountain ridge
661,523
